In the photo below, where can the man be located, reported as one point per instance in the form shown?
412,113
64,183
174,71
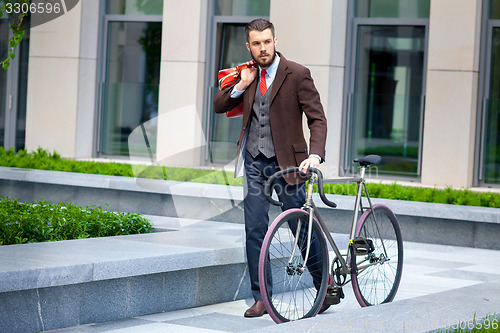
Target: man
275,95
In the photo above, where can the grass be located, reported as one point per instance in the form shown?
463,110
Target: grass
40,222
42,159
490,324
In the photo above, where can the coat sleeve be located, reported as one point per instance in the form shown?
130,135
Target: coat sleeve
223,101
310,103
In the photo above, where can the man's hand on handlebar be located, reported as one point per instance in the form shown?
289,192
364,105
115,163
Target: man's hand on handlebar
310,162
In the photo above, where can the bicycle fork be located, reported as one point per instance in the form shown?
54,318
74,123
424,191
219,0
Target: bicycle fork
308,206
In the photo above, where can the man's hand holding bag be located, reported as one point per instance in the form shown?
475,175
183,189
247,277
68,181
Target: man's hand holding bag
229,77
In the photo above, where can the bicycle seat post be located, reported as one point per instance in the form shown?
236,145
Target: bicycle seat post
357,202
362,173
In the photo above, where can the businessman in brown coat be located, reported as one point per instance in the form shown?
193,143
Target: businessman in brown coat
275,95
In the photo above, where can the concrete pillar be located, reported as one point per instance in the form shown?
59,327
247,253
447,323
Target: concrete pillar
313,33
451,93
62,82
180,133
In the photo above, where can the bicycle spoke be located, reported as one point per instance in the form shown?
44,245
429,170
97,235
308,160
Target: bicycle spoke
292,293
379,273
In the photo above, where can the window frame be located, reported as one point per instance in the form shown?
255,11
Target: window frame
211,70
350,80
14,99
106,19
484,89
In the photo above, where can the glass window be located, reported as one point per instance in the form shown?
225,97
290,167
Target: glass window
492,124
393,8
225,131
13,91
242,7
130,90
4,36
134,7
22,92
230,50
495,9
387,99
131,72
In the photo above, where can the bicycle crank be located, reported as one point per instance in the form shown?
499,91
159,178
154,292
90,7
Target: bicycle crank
339,277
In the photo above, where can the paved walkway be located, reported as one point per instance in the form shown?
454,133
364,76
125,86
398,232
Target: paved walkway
429,270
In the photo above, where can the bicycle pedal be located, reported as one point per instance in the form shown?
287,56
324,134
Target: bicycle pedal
362,246
333,295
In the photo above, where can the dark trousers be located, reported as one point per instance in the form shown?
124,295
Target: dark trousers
257,171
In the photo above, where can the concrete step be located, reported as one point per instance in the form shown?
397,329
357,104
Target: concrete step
189,263
61,284
441,286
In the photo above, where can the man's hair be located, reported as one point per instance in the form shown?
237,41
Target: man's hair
259,24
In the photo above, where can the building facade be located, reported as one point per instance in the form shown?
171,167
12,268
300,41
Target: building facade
415,81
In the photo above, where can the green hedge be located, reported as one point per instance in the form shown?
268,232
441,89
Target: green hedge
41,159
40,222
44,160
423,194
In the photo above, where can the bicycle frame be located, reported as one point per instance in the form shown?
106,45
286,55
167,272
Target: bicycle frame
306,263
311,207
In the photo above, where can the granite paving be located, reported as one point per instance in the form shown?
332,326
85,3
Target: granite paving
441,286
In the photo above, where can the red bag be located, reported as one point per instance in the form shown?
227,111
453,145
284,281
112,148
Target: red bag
228,77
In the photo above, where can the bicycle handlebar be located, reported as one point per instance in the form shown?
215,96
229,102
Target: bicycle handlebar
269,185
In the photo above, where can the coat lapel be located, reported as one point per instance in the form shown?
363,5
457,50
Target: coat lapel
251,92
281,74
247,109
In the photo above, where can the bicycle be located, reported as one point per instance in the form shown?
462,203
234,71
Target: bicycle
294,258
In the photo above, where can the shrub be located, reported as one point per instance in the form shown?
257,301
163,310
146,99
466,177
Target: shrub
44,160
27,223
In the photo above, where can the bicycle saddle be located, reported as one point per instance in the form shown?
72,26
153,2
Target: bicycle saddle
368,160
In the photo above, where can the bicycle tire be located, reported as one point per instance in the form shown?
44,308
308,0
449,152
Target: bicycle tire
291,295
379,282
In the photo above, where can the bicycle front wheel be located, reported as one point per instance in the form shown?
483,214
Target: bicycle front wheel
290,289
377,271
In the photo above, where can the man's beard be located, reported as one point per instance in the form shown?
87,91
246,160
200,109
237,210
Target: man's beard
267,63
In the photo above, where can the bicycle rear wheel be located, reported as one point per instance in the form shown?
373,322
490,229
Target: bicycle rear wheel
377,273
293,291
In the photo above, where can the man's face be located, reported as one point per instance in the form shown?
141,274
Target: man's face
262,46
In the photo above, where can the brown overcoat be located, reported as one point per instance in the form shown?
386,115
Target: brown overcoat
293,94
